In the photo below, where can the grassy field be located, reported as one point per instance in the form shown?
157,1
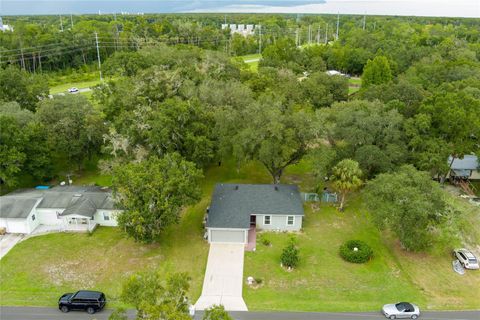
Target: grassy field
65,86
39,269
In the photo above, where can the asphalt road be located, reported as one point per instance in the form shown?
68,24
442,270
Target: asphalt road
35,313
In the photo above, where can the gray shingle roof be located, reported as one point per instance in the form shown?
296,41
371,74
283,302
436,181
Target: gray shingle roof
16,207
81,206
232,204
469,162
19,204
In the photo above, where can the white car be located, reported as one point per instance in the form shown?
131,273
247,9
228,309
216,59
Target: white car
73,90
466,258
401,310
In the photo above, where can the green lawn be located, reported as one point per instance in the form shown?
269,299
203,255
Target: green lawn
39,269
323,281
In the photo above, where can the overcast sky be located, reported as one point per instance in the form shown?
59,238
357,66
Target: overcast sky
447,8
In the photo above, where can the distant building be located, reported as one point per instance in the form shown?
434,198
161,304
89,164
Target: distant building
5,27
242,29
334,73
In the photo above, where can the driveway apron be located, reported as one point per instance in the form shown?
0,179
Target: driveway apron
223,278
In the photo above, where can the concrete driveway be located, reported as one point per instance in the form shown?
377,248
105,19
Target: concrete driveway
223,278
8,241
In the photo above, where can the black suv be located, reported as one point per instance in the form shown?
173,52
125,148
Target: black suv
90,301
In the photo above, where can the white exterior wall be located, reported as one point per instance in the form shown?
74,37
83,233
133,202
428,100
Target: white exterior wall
22,225
49,217
14,225
475,175
279,223
32,221
100,219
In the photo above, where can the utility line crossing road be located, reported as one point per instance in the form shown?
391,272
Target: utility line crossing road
40,313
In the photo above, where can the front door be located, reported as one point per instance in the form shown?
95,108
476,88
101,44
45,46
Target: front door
253,221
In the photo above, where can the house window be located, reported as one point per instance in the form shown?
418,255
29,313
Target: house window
266,220
106,216
33,217
290,220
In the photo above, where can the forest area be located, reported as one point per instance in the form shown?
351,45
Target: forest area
368,107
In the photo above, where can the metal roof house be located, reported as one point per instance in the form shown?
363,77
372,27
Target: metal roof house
466,168
61,208
237,210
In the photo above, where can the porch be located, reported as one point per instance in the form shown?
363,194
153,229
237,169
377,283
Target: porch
78,224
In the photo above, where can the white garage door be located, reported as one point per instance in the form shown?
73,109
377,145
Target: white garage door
227,236
14,225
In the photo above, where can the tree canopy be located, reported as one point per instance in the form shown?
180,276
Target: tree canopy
408,203
152,192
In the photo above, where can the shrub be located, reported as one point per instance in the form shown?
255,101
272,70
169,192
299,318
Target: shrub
289,257
265,241
361,255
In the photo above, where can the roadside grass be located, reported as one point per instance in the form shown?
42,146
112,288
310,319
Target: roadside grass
80,84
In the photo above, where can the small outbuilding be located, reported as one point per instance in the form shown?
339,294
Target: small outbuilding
239,209
466,168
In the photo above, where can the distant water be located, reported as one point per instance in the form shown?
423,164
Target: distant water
447,8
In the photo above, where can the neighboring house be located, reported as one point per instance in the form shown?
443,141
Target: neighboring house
466,168
334,73
63,208
5,27
237,209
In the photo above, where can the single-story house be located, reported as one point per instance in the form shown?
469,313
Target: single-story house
64,208
237,209
466,168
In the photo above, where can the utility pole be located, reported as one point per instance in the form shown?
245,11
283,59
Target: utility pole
318,36
98,56
338,24
326,33
23,58
61,23
309,34
71,20
260,39
296,37
364,18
